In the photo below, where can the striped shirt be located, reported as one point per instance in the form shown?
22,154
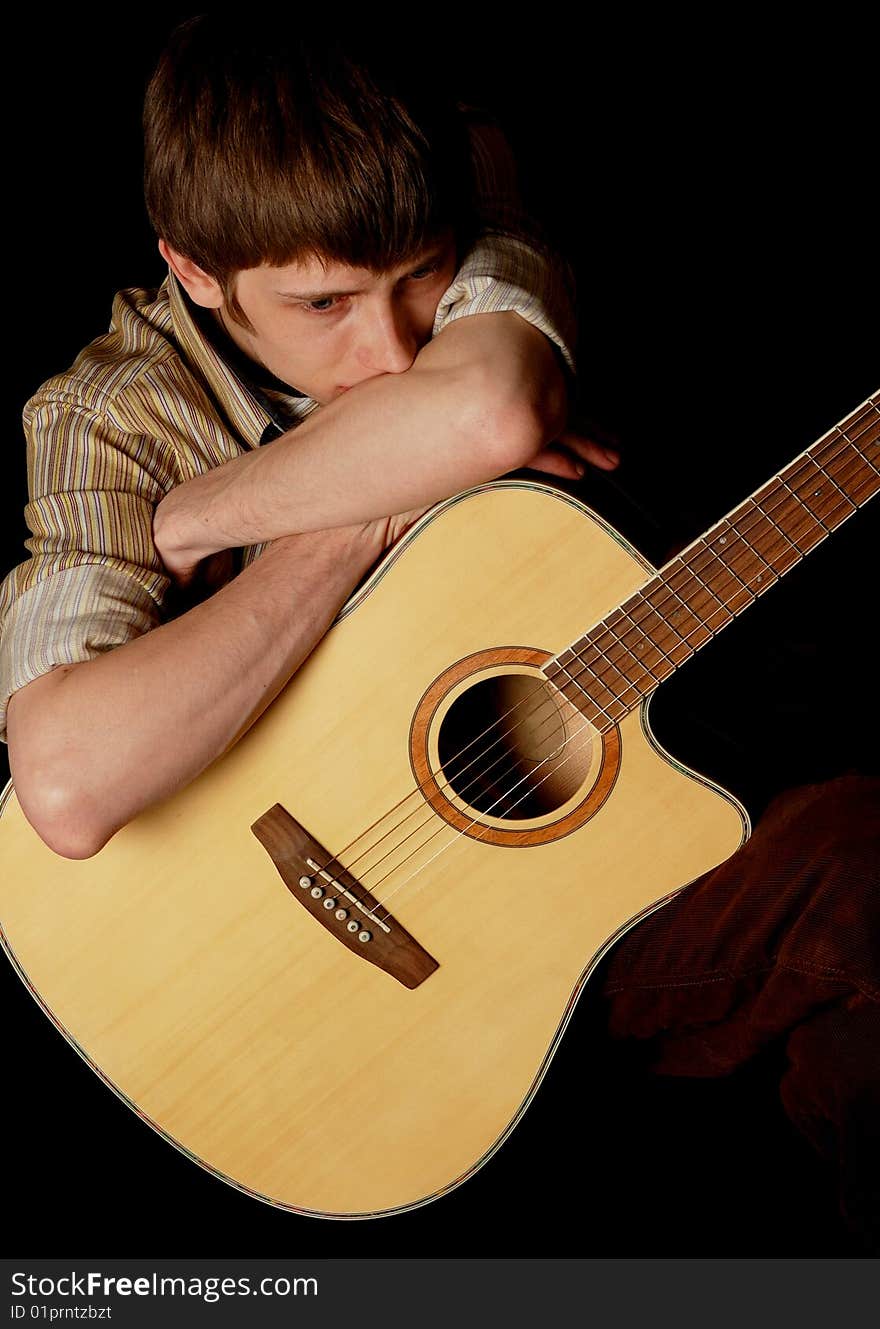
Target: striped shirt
156,401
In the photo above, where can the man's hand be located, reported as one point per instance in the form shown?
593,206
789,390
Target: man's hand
198,578
388,530
565,457
185,563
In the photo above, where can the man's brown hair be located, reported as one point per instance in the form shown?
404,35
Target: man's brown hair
274,141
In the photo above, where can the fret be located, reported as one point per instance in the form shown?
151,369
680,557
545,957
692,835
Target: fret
697,598
707,566
776,549
670,621
848,470
765,542
743,556
578,697
866,442
671,613
633,645
768,541
670,609
611,701
869,409
630,658
783,553
801,472
652,625
585,676
675,648
678,613
820,493
851,469
624,658
811,474
855,424
806,525
724,547
792,519
597,648
855,447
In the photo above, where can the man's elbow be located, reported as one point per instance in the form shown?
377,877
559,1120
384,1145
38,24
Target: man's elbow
515,421
47,773
59,814
516,424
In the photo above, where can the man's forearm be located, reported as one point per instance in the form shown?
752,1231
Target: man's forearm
93,744
482,398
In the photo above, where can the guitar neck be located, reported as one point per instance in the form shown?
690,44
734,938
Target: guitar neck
613,667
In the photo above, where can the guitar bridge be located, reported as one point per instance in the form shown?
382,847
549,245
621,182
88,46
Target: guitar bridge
339,902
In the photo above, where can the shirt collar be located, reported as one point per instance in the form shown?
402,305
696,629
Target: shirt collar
256,413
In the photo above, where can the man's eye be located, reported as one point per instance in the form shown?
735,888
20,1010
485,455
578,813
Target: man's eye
428,271
332,302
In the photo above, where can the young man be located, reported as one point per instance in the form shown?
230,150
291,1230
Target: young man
341,341
412,359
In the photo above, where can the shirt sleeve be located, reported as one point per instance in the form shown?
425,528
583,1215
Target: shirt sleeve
510,266
94,579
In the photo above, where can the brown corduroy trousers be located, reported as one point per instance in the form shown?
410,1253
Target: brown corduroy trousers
780,942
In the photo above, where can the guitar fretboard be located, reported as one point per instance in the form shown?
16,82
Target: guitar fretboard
609,671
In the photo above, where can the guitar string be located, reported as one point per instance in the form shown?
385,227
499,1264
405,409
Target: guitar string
459,835
682,638
506,794
669,594
541,689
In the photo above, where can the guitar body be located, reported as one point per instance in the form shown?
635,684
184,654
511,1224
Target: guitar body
200,988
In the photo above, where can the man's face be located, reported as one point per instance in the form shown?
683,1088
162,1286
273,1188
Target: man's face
323,330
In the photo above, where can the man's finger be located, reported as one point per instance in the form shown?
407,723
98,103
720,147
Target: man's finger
595,453
553,461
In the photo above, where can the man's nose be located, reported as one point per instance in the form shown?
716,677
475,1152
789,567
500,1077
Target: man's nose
391,341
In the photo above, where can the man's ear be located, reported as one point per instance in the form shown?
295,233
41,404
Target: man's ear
200,288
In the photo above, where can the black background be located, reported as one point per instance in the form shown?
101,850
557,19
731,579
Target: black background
714,185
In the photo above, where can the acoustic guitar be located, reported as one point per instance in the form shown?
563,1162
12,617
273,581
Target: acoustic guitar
334,969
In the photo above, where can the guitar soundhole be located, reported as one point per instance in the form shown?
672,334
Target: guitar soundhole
508,749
